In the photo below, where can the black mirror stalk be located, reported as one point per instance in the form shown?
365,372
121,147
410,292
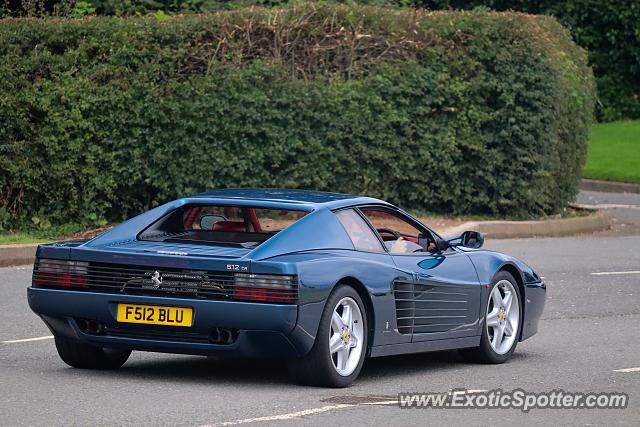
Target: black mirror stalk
442,244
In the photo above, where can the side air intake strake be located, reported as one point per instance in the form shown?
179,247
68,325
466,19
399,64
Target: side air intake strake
144,280
426,308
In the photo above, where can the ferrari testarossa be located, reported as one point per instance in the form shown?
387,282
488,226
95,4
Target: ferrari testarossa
324,280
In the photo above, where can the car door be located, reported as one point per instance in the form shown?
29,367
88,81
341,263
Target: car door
437,294
377,272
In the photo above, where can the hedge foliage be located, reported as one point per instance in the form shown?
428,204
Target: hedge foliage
608,29
464,112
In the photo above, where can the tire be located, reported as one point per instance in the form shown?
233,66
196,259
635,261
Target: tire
321,367
490,350
83,356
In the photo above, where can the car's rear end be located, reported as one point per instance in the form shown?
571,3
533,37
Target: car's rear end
153,304
158,290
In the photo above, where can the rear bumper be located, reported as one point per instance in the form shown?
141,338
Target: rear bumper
264,330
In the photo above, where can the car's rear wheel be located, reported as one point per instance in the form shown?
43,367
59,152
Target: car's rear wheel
501,327
84,356
338,353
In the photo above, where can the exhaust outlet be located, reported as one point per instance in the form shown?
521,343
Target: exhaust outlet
83,325
95,327
214,336
223,336
92,327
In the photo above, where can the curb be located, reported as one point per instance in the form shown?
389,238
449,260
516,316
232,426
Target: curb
11,255
608,186
547,228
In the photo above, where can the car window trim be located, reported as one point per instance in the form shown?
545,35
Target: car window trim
205,203
408,218
366,221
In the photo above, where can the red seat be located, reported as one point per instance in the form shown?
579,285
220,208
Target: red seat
387,237
230,226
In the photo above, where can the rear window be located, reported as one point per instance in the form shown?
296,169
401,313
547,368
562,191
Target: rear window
244,226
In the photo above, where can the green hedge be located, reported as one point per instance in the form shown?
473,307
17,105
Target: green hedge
608,29
465,112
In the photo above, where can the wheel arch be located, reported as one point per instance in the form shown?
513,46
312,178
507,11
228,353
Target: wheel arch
517,275
362,291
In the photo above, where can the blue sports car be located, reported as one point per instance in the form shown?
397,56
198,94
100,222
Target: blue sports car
324,280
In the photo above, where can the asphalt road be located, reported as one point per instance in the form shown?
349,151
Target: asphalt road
624,208
611,199
591,328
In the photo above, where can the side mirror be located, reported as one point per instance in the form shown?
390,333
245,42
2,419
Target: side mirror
468,239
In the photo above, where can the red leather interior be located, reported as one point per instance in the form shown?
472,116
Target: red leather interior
188,223
230,226
388,237
253,219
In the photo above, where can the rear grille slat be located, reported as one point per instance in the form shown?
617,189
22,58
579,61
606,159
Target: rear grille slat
172,282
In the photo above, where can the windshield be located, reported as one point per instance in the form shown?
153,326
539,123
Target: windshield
244,226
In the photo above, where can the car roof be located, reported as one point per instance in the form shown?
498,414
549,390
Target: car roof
283,195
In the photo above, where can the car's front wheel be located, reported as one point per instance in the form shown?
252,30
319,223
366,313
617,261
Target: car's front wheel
84,356
502,317
338,353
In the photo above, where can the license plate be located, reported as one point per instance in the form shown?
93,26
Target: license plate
155,315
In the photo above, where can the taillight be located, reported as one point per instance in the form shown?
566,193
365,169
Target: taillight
59,273
265,288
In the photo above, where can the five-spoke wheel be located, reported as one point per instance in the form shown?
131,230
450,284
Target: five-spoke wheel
345,339
336,358
503,316
501,327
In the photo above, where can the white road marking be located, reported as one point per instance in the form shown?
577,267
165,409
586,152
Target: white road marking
313,411
626,370
289,416
610,273
384,402
48,337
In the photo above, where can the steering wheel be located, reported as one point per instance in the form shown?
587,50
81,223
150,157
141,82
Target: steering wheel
389,231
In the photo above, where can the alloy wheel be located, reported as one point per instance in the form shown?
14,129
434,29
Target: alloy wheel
503,317
346,337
